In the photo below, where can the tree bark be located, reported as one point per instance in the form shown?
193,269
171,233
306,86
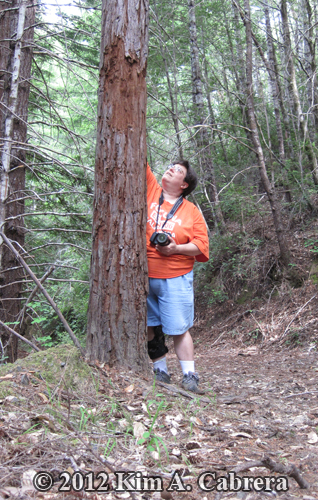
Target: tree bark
16,28
116,331
275,206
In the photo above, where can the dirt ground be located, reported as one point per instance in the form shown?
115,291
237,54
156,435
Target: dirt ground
266,404
257,418
259,402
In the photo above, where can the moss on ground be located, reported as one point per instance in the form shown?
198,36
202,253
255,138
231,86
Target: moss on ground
58,365
6,389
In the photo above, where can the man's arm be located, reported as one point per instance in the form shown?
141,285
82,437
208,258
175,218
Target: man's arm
189,249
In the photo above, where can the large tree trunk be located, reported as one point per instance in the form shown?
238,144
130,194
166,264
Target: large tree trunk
116,331
16,28
275,206
206,154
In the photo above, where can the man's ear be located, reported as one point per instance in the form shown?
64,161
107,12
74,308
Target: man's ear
184,185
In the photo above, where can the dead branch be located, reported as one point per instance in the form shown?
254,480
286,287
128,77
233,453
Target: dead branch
19,336
297,313
286,470
56,214
45,229
45,293
59,244
42,264
36,196
73,463
299,394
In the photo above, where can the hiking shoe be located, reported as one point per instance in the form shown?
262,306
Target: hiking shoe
190,382
162,376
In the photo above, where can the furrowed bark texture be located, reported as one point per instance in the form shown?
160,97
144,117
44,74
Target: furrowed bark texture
117,306
16,37
275,206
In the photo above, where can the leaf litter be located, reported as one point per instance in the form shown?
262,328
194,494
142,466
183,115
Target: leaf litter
259,410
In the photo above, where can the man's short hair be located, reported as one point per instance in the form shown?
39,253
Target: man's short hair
191,178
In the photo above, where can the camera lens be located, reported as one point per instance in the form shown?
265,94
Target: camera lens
162,238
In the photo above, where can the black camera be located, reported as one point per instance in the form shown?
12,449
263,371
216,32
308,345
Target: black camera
160,239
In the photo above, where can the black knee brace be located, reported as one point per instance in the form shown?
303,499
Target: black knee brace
157,346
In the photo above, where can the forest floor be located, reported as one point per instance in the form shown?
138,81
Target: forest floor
260,401
257,418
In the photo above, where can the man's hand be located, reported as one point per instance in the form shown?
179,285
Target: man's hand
189,249
170,249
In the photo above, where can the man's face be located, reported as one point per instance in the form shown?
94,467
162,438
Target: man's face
174,177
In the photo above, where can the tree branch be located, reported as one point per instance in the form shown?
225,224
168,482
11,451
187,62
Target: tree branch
46,295
19,336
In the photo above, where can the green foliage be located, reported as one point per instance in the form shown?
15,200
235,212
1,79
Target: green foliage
62,119
313,243
232,260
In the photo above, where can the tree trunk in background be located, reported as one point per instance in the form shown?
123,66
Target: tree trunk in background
275,88
206,154
239,71
116,331
15,70
212,121
294,90
173,99
310,62
275,206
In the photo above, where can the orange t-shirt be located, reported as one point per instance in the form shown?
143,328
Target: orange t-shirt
187,225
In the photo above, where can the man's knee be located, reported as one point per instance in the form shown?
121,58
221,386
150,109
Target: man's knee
157,347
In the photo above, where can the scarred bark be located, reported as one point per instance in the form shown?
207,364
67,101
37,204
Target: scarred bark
15,70
118,285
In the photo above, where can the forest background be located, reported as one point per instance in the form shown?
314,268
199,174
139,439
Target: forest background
235,94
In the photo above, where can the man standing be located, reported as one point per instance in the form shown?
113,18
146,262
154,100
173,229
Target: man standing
176,237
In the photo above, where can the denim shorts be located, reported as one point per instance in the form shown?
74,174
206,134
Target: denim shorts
170,304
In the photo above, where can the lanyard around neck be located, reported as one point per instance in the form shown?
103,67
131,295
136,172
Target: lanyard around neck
175,207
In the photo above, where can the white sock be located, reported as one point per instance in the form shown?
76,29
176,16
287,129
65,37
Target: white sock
187,366
161,364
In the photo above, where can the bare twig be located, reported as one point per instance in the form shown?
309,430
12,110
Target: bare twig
45,293
73,463
299,394
297,313
19,336
57,214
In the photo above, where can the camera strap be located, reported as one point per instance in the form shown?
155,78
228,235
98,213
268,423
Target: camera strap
175,207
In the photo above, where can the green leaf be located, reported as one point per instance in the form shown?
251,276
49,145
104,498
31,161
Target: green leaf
38,320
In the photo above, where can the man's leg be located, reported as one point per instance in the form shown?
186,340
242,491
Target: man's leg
183,346
157,352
